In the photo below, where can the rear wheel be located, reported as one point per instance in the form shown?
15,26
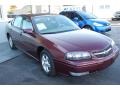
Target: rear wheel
47,63
11,44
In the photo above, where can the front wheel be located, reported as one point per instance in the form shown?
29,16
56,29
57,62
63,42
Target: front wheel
47,63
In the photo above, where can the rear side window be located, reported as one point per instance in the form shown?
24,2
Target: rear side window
70,15
78,16
11,22
62,13
18,22
67,14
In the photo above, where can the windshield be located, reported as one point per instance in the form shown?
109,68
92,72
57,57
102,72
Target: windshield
54,24
87,15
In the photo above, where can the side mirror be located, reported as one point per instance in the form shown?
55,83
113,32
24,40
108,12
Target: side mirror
28,31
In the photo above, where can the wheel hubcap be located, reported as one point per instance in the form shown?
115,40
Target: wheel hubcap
10,42
45,63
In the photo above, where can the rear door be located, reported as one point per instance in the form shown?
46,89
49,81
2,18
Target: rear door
16,30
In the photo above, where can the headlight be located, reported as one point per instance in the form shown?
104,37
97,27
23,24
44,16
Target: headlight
97,24
112,43
77,55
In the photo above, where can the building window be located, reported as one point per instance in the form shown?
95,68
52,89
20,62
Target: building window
104,6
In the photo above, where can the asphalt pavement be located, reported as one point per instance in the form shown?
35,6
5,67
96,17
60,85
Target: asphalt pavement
18,68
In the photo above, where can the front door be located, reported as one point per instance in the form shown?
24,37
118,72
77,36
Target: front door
79,21
27,39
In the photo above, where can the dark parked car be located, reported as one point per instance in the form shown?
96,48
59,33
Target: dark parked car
116,16
88,21
60,45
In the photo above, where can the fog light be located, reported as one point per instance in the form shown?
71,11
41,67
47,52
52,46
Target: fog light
78,74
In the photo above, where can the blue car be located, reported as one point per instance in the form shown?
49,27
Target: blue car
88,21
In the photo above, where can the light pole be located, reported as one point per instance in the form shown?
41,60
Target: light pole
49,9
0,12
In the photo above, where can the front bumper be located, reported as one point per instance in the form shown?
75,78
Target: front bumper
116,18
80,68
102,28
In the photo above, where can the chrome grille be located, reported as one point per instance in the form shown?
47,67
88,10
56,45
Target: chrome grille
103,53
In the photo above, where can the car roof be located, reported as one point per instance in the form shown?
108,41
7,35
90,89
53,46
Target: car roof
78,11
69,11
33,15
73,11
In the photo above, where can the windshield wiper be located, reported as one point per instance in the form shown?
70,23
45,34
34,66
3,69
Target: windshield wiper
49,33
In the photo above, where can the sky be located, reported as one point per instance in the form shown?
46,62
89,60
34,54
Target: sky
57,2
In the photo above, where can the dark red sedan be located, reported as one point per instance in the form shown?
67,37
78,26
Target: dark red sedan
60,45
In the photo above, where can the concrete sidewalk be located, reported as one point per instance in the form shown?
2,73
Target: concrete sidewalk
6,53
2,32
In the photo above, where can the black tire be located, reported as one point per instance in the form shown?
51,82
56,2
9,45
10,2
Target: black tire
11,43
114,19
88,27
51,71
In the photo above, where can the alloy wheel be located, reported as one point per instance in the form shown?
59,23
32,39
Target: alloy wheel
45,63
10,42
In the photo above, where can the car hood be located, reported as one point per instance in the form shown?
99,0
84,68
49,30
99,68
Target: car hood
79,40
101,21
